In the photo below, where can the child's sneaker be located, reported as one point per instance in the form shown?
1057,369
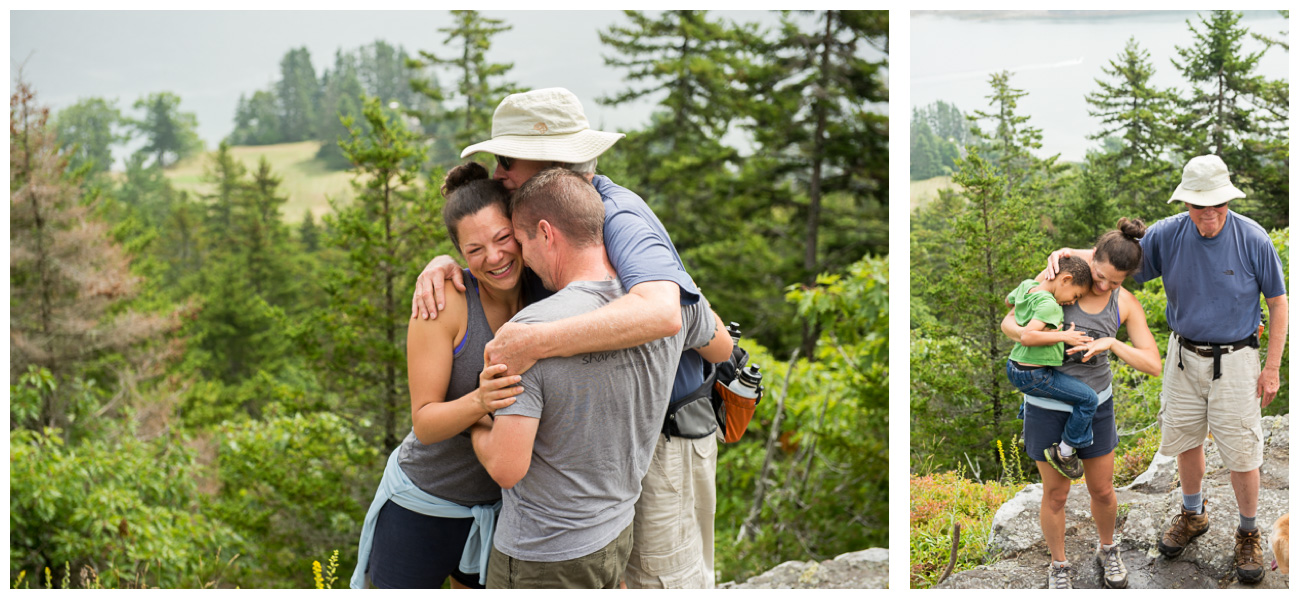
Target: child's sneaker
1071,468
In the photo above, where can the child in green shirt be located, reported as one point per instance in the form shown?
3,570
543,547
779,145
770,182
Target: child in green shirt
1029,368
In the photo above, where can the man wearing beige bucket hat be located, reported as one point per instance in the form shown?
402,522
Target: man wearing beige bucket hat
673,524
1215,264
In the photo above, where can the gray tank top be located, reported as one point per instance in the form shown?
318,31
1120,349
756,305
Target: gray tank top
449,469
1096,372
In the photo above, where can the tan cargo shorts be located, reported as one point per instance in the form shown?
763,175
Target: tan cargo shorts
673,545
1191,402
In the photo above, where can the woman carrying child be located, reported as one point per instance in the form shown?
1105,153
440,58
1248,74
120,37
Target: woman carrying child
1099,313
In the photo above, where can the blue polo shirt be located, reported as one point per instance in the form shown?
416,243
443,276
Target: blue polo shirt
641,250
1212,284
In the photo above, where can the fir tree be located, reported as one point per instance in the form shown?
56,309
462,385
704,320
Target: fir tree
298,92
478,84
87,132
170,135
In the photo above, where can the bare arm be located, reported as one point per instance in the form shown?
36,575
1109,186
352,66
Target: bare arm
429,358
429,296
505,448
1010,328
719,347
1269,377
649,311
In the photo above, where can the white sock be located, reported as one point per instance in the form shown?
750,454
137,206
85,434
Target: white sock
1063,563
1066,450
1105,547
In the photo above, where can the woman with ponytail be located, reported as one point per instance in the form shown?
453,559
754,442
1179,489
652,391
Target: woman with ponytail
1101,312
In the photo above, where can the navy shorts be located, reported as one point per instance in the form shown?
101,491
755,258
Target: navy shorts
414,551
1043,427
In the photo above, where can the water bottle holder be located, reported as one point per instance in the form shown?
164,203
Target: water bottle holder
736,412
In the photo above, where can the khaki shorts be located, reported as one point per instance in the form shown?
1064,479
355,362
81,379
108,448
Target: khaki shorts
1192,401
674,517
601,569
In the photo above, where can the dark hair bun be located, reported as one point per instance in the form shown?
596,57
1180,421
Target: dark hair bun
1133,229
462,175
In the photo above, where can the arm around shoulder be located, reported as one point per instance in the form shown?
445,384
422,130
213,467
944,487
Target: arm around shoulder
506,448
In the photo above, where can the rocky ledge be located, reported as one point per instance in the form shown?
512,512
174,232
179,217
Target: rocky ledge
1146,507
855,570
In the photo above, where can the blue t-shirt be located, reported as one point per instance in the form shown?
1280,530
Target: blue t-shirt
1212,284
641,250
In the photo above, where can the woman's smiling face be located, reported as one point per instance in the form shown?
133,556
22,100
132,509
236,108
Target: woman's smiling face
487,241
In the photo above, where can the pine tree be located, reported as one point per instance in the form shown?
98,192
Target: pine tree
257,120
1010,144
341,97
813,117
299,94
478,82
68,278
1232,112
385,232
170,134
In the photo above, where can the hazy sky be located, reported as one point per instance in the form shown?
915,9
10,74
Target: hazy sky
1056,61
209,58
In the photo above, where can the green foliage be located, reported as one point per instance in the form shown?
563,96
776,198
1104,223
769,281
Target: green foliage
169,134
88,130
938,133
829,463
937,502
384,234
1236,114
479,84
297,92
298,485
123,506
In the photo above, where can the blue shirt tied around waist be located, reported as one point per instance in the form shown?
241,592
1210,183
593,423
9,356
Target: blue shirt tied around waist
396,486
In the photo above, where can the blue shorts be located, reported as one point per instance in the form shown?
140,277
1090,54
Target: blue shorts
415,551
1043,427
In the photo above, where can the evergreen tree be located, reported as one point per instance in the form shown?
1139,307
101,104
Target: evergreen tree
385,233
68,278
812,116
309,232
341,97
478,85
257,120
1011,142
87,132
169,133
1233,113
298,92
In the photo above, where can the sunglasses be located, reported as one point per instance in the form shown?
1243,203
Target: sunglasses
505,161
1191,206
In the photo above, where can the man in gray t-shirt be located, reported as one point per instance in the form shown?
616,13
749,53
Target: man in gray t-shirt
570,453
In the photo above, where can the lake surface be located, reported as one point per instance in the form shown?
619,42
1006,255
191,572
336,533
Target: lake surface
1056,61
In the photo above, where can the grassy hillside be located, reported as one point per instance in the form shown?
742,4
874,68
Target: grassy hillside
928,189
306,181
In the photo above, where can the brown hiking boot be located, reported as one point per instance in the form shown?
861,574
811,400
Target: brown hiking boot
1071,468
1249,556
1185,528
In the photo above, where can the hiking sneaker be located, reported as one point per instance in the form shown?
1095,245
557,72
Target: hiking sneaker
1185,528
1113,573
1249,556
1058,578
1071,468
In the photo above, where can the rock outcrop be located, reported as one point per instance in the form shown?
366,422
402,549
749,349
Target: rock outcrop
855,570
1145,508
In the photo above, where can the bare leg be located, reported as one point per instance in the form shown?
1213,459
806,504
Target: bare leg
1245,484
1051,515
1099,474
1191,470
456,585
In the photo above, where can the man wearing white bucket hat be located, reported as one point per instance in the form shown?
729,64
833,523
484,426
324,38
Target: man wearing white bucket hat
673,526
1215,264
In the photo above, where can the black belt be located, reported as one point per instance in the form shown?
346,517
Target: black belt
1209,350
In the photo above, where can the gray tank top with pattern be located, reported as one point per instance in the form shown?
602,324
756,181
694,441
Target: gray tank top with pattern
1096,372
449,469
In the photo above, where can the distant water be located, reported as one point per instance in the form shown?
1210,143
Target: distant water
1056,61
